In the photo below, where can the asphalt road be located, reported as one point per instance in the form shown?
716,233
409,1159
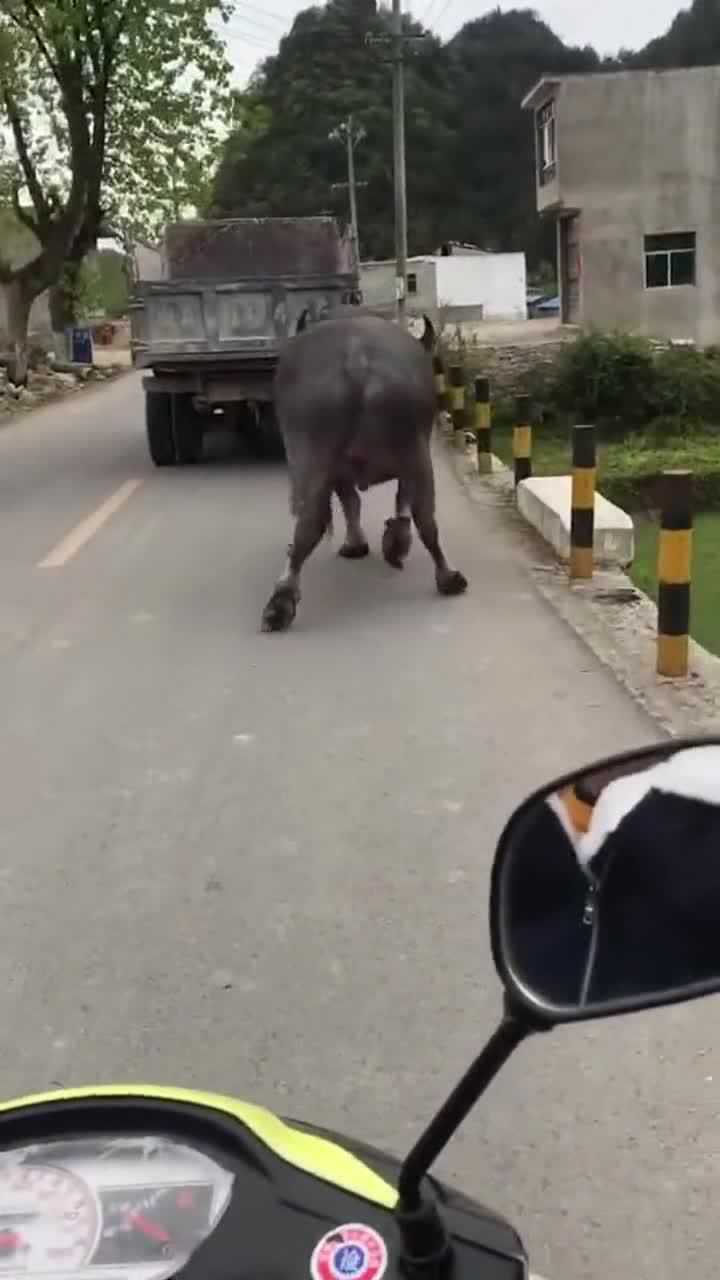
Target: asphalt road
260,863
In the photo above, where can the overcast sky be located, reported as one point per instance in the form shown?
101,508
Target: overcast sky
606,24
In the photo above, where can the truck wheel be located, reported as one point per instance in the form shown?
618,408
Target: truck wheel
187,430
158,423
269,434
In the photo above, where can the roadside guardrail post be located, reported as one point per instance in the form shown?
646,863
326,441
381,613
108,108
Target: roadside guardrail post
483,426
674,573
522,440
582,520
457,404
440,385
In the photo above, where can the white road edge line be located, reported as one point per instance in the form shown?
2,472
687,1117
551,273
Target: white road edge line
77,538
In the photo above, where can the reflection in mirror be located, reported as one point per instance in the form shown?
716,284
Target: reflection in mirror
608,889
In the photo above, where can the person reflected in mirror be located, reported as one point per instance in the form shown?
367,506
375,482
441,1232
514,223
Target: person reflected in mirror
653,843
547,890
550,891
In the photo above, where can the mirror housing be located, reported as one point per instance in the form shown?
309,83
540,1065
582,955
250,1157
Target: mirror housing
605,898
570,852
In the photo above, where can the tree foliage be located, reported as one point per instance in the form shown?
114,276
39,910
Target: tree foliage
281,159
111,108
469,144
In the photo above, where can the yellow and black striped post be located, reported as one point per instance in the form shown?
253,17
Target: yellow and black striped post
674,573
440,388
582,518
457,404
522,439
483,426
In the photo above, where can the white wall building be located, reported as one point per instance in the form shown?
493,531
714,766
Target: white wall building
457,288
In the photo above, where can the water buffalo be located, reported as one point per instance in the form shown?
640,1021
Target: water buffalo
355,401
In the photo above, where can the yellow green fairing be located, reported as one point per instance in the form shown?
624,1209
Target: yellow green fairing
304,1151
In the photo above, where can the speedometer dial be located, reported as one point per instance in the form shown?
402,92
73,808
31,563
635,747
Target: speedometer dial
48,1220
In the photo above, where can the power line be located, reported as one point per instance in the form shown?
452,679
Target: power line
426,15
260,23
251,42
283,18
268,32
440,14
252,35
258,35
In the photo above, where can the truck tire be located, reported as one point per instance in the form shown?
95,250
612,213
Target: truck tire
187,430
158,423
271,444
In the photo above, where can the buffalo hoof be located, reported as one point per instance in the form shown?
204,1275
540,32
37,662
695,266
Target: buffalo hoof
397,540
354,550
280,610
451,583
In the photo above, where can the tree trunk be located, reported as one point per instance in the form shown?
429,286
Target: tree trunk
64,306
18,302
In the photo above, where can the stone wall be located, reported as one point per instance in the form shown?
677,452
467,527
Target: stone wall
512,369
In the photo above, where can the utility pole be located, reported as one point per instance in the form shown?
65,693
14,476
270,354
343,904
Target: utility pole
398,40
398,101
352,137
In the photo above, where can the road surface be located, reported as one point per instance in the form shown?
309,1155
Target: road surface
260,863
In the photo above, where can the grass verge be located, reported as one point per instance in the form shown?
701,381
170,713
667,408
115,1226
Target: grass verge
628,468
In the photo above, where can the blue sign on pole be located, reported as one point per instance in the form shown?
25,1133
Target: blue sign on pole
81,347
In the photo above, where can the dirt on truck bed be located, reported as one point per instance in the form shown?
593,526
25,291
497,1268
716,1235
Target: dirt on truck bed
256,248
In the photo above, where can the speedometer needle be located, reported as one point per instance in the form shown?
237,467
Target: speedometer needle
10,1241
152,1230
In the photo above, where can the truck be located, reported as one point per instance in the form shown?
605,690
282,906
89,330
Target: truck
210,331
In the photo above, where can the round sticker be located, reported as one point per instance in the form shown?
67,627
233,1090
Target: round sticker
352,1252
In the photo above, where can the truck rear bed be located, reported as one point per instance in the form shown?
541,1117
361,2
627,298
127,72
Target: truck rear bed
190,321
210,332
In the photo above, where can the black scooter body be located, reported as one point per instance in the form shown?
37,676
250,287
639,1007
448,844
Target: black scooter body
278,1213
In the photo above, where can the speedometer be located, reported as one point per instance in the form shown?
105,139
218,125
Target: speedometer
139,1206
48,1220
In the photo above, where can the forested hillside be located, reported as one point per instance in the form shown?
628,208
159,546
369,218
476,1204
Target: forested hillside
469,144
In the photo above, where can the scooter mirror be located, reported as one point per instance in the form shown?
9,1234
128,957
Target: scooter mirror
606,887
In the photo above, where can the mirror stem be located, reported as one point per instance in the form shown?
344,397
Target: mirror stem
511,1032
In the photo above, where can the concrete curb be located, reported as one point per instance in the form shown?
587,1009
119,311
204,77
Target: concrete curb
545,502
616,620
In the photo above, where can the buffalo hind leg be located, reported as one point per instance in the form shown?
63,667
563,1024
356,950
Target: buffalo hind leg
397,538
310,526
450,582
355,546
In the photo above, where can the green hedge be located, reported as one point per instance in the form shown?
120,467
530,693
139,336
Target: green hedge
654,409
613,378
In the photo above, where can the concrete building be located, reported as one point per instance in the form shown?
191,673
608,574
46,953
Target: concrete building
459,287
628,165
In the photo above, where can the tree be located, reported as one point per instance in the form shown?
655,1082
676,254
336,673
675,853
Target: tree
496,60
107,103
280,159
469,144
103,283
693,40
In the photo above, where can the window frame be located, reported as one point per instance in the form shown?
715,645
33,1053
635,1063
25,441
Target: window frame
412,283
670,252
546,119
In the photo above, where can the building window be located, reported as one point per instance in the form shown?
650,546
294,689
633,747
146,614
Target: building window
670,260
547,143
412,282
